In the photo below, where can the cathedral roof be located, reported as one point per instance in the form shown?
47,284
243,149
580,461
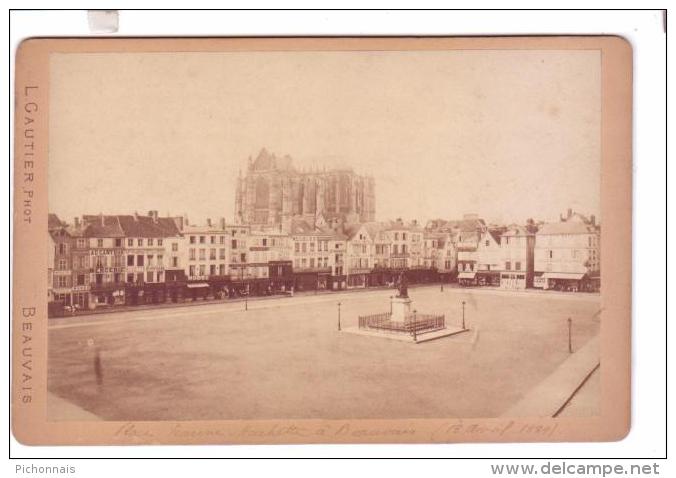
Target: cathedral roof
264,160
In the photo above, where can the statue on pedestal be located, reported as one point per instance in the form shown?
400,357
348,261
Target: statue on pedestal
403,286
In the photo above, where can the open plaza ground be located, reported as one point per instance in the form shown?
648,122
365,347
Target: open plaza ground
285,358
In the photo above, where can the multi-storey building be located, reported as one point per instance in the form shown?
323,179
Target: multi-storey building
175,277
360,255
105,242
81,264
488,257
567,254
69,265
127,257
273,193
205,259
382,247
240,273
517,257
466,244
313,258
440,254
406,245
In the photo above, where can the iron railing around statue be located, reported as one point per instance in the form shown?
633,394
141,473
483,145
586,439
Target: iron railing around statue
420,323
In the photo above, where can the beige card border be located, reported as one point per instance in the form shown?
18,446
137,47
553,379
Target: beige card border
29,364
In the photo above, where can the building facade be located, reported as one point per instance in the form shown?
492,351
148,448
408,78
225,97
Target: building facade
205,259
517,264
567,254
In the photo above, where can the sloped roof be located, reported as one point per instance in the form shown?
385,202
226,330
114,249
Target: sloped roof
517,230
301,226
401,225
568,227
495,234
129,226
102,226
146,226
53,221
464,225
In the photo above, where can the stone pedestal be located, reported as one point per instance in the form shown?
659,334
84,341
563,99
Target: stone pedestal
401,308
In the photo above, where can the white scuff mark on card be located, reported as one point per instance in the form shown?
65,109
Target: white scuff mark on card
103,21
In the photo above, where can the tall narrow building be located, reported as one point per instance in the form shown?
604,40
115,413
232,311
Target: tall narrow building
273,192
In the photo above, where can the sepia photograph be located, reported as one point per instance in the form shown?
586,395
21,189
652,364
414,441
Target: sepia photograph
331,231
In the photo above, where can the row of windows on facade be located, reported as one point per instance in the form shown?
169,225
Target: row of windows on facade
82,262
403,235
203,239
470,266
81,243
201,270
202,254
81,279
592,240
310,246
431,263
571,253
322,262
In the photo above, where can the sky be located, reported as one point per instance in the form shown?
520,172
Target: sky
508,134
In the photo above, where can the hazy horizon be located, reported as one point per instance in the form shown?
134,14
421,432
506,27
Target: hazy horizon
507,135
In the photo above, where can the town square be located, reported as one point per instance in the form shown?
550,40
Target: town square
285,358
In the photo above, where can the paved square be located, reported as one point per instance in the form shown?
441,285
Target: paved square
284,358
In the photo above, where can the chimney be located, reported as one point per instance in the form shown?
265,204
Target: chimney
592,219
153,214
101,218
570,213
135,216
208,222
76,222
221,223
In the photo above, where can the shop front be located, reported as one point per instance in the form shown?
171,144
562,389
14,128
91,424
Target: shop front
176,291
379,277
154,292
338,282
467,279
513,280
421,275
197,290
304,281
488,278
281,276
565,281
107,295
220,286
447,276
593,283
358,278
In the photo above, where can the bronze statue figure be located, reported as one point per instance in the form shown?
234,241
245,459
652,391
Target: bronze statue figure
403,286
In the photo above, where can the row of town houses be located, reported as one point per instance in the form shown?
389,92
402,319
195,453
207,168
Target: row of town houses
113,260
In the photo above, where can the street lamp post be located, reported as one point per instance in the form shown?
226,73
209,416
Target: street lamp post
338,316
463,315
391,297
415,329
570,342
246,299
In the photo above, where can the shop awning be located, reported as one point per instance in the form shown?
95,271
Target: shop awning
196,286
467,275
563,275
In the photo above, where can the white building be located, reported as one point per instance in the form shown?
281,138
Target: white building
567,254
516,258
